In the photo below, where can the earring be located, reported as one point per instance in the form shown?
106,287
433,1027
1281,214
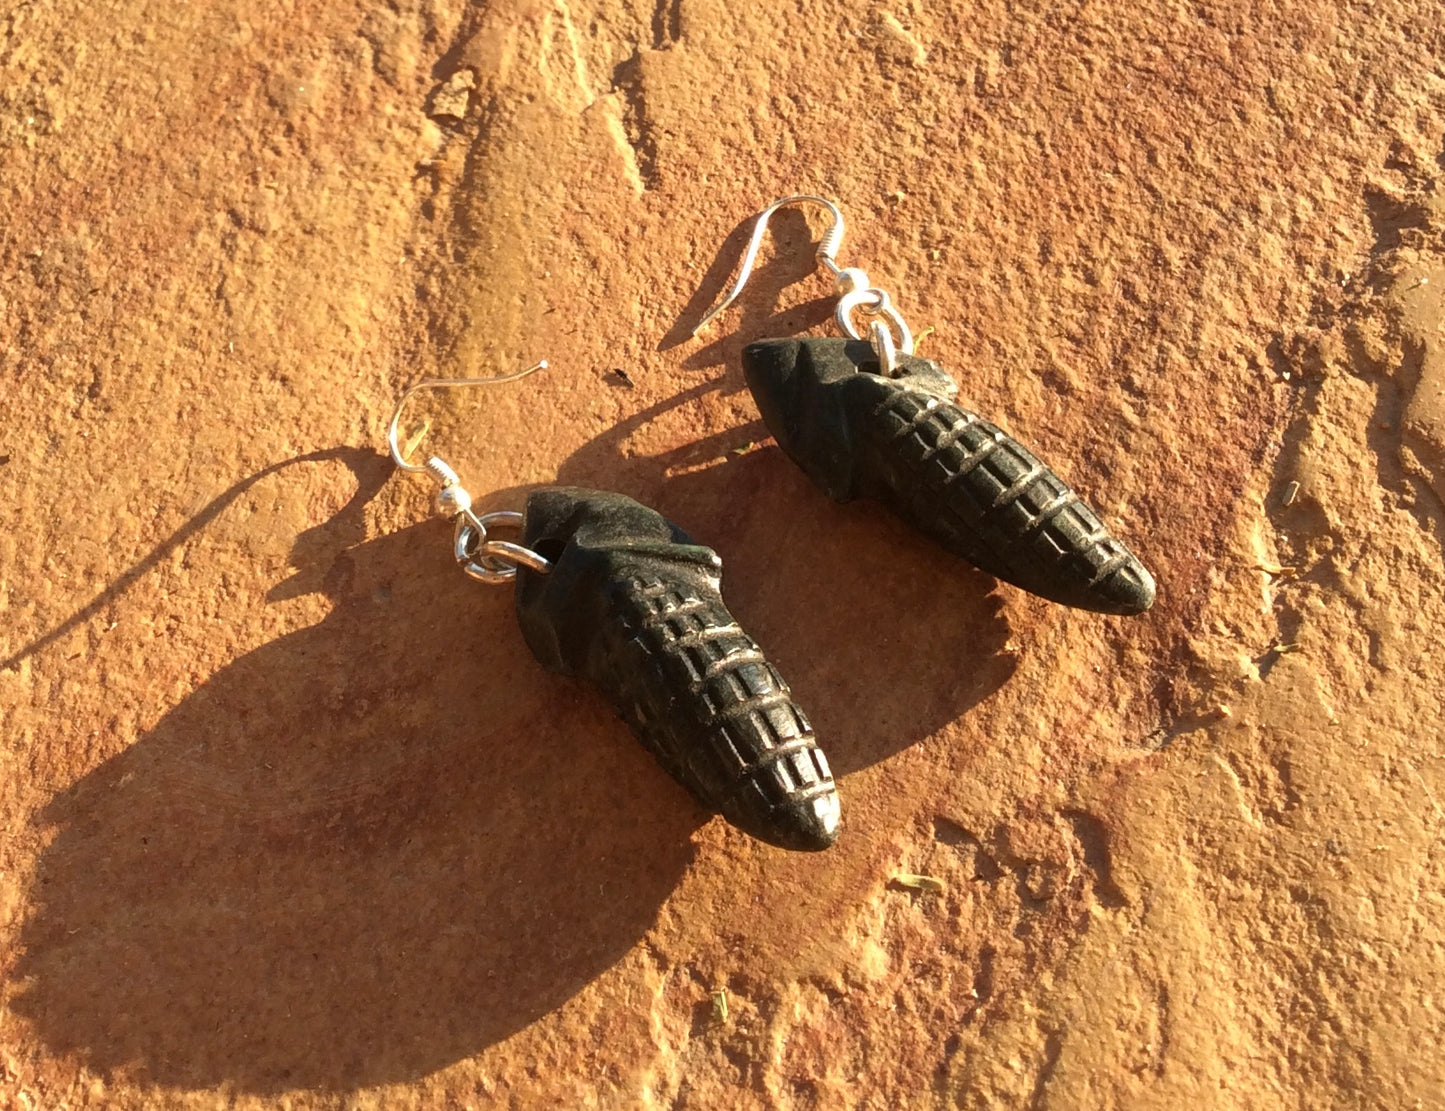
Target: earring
865,417
612,591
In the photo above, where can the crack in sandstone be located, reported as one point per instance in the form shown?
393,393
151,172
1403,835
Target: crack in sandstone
637,134
666,24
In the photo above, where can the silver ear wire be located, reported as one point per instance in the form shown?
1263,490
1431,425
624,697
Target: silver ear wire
393,429
482,558
826,254
855,293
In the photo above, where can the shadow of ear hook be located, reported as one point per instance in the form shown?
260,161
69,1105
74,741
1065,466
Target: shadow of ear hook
370,468
708,289
825,254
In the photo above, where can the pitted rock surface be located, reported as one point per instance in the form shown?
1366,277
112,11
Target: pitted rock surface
290,817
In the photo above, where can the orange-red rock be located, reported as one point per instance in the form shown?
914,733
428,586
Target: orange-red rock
271,768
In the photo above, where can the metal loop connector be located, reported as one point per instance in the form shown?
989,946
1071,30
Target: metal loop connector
493,561
882,340
874,303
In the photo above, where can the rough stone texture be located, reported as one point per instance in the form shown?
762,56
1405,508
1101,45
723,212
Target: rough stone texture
270,768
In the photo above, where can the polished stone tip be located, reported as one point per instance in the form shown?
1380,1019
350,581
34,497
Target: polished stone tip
1127,591
809,825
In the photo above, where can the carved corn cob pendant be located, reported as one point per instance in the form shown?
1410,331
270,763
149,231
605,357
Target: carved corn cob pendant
633,604
961,480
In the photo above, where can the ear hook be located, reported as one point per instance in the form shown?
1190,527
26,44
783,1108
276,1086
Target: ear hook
855,293
826,253
393,429
481,557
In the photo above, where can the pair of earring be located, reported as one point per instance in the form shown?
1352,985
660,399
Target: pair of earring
612,591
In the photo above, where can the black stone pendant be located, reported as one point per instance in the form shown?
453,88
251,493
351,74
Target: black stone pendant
954,476
634,605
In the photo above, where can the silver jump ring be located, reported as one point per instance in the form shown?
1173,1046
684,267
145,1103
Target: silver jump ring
493,561
882,340
517,555
872,302
470,535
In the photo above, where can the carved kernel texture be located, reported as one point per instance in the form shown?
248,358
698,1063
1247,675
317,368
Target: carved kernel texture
988,498
951,474
747,750
635,606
